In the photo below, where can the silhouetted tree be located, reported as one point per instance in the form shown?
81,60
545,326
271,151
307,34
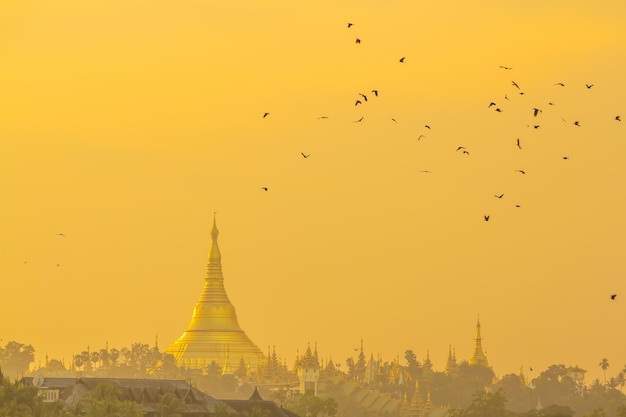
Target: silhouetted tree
604,364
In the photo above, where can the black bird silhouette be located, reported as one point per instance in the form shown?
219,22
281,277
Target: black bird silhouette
323,117
486,218
465,152
588,85
402,59
499,196
613,296
491,104
518,144
518,206
507,97
358,40
560,84
375,92
356,103
60,234
264,188
566,157
498,109
536,126
305,156
515,84
265,115
364,96
426,171
359,121
350,25
460,147
618,118
421,136
506,68
427,127
394,120
536,111
520,171
577,123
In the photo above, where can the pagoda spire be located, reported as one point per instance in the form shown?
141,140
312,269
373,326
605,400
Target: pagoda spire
478,357
214,322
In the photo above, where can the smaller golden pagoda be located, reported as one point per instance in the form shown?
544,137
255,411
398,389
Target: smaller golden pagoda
213,334
478,357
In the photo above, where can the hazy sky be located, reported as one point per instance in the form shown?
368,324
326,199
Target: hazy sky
125,124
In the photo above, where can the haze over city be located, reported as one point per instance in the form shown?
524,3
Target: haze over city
125,127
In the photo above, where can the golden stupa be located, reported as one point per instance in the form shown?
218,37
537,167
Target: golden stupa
213,334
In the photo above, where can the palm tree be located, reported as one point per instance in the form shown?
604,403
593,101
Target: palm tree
171,406
604,364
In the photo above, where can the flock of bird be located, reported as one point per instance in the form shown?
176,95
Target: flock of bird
535,113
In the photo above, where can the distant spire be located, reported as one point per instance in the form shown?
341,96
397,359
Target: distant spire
156,341
478,357
214,268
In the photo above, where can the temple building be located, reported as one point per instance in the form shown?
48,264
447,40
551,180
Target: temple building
213,334
478,357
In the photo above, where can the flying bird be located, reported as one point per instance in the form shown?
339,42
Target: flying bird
486,218
518,206
499,196
560,84
375,92
566,157
577,123
498,109
465,152
536,126
518,144
425,171
506,68
350,25
356,103
305,156
402,59
588,85
427,127
364,96
358,121
60,234
264,188
520,171
613,296
265,115
421,136
491,104
618,118
514,84
460,147
536,111
394,120
323,117
358,40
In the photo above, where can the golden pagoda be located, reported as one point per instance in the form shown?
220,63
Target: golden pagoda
478,357
213,332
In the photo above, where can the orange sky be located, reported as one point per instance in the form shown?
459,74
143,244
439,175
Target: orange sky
124,125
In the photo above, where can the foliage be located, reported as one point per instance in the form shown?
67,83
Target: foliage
15,358
485,404
310,405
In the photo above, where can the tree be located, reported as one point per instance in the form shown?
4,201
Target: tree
485,404
604,364
105,401
171,406
15,358
597,412
311,406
